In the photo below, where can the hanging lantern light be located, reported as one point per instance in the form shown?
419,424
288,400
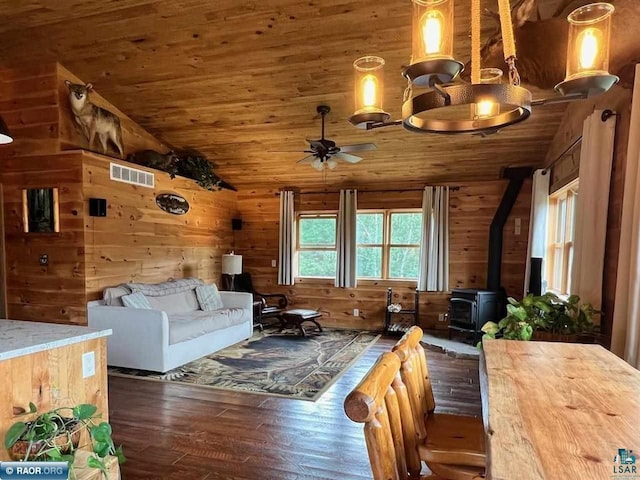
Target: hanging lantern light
487,104
487,107
369,92
588,51
432,47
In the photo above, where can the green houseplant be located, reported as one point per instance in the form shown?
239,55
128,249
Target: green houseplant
544,313
55,436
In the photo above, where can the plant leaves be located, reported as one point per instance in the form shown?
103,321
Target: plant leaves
101,449
95,462
491,328
84,411
32,408
14,433
120,454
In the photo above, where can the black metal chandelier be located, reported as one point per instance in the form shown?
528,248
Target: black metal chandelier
437,101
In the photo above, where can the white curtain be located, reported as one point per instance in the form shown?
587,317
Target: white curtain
537,246
596,157
625,335
346,241
434,243
286,245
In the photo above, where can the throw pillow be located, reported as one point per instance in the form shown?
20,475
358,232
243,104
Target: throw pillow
209,297
136,300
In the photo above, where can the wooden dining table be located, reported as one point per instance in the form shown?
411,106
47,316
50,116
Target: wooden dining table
559,411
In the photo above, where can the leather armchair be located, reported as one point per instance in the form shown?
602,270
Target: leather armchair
266,305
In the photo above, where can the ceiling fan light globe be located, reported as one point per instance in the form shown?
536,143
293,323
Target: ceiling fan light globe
332,164
317,164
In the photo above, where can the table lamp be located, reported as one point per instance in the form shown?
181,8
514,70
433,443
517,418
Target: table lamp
232,266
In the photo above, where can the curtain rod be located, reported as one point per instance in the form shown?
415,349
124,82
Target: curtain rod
606,115
565,152
453,189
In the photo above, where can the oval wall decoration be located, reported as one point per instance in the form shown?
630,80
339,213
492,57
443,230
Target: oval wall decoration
172,203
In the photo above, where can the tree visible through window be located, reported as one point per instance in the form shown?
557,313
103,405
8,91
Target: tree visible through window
317,245
388,244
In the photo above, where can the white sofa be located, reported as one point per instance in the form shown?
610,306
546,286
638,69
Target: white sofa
176,331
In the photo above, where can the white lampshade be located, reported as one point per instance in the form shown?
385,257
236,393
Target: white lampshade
231,264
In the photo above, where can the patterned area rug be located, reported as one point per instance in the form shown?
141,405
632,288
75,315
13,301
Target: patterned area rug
271,363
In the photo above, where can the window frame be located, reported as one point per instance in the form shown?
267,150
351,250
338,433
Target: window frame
563,244
314,214
386,246
386,239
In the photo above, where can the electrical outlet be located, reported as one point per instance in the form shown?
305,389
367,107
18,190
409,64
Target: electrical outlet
518,226
441,317
356,312
88,364
273,263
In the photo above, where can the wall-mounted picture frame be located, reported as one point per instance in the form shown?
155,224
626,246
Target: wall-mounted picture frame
40,210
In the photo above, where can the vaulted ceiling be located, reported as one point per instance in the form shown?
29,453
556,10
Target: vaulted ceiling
240,81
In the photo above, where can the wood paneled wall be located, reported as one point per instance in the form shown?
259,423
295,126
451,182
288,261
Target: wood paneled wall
52,379
34,103
471,211
134,137
55,292
138,242
567,169
29,106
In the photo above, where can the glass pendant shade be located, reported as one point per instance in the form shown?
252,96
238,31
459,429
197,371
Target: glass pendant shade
432,44
432,30
588,51
589,38
369,84
368,91
488,107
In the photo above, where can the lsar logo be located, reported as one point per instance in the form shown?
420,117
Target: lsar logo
624,465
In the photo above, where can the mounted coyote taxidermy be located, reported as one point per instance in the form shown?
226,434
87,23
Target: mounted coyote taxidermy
94,120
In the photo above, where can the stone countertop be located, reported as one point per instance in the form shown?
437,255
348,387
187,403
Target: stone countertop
20,338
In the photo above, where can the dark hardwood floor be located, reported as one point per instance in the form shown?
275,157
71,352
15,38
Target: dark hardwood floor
181,432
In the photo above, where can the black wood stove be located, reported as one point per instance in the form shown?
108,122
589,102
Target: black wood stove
470,309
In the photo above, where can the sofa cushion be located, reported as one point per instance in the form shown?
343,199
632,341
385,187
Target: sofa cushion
136,300
166,288
186,326
176,303
113,296
209,297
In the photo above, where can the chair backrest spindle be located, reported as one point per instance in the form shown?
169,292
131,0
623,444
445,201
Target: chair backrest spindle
415,375
381,402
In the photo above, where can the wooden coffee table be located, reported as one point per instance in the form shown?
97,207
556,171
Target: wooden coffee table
297,317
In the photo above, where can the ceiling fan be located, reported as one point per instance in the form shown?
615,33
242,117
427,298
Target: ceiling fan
325,152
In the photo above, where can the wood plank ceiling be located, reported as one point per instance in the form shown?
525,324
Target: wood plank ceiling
238,80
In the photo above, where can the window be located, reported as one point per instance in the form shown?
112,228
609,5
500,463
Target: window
562,212
388,244
316,245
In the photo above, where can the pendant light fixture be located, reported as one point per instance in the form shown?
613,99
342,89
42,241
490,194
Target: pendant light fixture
5,135
436,101
588,51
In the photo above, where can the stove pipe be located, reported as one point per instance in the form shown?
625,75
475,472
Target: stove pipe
516,177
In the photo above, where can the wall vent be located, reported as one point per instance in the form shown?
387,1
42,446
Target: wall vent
120,173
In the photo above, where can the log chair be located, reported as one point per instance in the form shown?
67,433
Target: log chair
452,446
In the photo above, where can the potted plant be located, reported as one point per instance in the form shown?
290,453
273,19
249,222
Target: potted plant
544,317
55,436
